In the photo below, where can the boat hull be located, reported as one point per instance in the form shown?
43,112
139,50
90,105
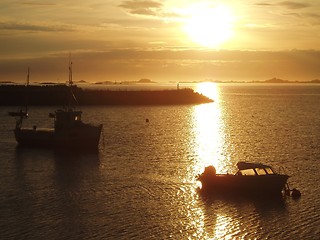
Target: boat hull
86,137
244,185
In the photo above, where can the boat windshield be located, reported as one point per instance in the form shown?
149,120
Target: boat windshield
269,171
261,171
247,172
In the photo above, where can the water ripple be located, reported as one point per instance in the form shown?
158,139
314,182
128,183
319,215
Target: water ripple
142,183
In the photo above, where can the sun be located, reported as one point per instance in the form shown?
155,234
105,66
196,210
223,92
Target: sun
209,26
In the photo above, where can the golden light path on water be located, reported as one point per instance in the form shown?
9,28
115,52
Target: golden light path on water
209,130
210,149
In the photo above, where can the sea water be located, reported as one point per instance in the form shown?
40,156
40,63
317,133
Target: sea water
142,183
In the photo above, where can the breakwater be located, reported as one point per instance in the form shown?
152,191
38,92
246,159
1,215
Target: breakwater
59,95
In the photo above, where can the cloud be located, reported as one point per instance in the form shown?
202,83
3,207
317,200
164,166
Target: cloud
287,4
302,13
315,17
294,5
34,27
32,4
169,64
149,8
309,18
264,4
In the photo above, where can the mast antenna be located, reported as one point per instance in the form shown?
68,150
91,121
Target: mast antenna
28,77
27,92
70,70
71,94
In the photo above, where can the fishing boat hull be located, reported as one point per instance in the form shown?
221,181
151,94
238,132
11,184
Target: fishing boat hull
86,137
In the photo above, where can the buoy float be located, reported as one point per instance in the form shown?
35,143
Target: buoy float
295,193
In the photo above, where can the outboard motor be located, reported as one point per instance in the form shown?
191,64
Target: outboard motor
210,170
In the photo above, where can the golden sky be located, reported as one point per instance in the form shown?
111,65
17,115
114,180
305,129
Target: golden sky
170,40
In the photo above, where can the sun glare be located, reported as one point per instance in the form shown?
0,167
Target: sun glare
208,89
209,26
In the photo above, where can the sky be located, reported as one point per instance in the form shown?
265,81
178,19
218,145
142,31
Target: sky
168,40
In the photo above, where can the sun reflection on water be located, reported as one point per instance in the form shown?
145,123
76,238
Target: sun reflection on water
226,227
211,90
209,131
210,148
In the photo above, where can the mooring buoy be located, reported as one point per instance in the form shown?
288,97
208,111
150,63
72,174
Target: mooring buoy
295,193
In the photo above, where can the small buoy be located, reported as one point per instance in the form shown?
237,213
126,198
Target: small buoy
295,193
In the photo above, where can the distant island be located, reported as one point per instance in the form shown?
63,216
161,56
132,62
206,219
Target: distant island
58,95
148,81
272,80
278,80
143,80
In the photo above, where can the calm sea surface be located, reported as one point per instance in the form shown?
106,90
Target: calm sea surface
141,185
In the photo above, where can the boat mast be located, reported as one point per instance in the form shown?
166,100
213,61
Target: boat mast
70,83
25,113
20,115
70,71
27,90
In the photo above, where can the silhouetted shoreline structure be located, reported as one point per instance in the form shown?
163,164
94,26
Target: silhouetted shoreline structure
55,95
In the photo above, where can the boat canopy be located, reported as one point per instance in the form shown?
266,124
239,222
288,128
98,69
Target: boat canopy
246,165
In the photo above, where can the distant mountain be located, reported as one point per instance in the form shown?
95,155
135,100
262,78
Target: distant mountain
81,81
145,80
142,80
315,81
276,80
105,82
6,82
